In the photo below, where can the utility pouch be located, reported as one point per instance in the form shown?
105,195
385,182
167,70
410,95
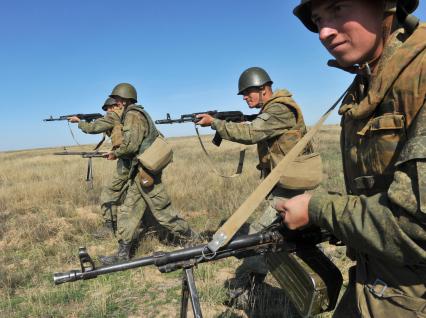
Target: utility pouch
304,173
145,178
157,156
309,279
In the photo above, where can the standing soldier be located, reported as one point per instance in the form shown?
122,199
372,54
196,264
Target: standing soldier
111,125
382,219
277,128
139,132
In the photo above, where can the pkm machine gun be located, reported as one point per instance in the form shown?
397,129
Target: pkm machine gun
85,154
85,117
310,280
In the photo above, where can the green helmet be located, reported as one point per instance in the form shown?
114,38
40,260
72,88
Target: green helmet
108,102
124,90
303,11
253,77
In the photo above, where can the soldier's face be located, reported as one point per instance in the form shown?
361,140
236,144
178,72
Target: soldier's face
112,108
351,30
120,102
252,97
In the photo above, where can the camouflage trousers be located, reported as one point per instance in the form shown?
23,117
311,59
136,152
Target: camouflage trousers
154,200
257,264
111,195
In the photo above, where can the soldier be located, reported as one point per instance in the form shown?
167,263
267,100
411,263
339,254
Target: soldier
111,125
139,132
382,218
277,128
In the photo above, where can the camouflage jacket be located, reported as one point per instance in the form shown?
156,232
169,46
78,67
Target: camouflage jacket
383,217
277,128
100,125
136,129
110,124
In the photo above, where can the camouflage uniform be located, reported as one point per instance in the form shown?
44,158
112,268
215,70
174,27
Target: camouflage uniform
138,133
382,220
111,125
277,128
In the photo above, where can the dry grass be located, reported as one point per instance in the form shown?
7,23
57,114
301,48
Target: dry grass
47,212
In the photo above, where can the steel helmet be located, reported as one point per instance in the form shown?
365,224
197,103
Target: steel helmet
108,102
303,11
124,90
253,77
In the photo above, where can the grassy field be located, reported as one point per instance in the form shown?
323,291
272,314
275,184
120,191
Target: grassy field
47,212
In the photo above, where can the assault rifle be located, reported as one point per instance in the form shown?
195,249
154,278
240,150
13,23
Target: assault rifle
86,117
234,116
85,154
310,280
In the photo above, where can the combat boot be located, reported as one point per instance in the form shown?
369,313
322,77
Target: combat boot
189,238
123,254
242,291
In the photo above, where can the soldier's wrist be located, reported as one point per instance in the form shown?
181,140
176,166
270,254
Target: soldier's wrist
315,207
215,123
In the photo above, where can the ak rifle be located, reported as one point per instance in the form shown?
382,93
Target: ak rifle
308,277
233,115
85,117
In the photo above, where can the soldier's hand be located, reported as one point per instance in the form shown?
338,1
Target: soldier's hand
204,120
111,156
73,119
294,211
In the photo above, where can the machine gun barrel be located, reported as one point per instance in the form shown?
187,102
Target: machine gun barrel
86,117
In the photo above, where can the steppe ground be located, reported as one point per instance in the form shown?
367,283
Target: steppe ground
47,212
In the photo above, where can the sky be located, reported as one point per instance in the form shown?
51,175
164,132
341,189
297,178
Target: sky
63,57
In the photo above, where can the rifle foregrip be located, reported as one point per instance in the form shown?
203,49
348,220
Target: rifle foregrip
71,276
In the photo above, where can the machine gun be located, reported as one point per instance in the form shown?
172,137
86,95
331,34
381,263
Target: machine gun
85,154
310,280
86,117
234,116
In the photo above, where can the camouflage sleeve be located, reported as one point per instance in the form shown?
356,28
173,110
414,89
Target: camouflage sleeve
392,224
134,129
98,126
275,121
